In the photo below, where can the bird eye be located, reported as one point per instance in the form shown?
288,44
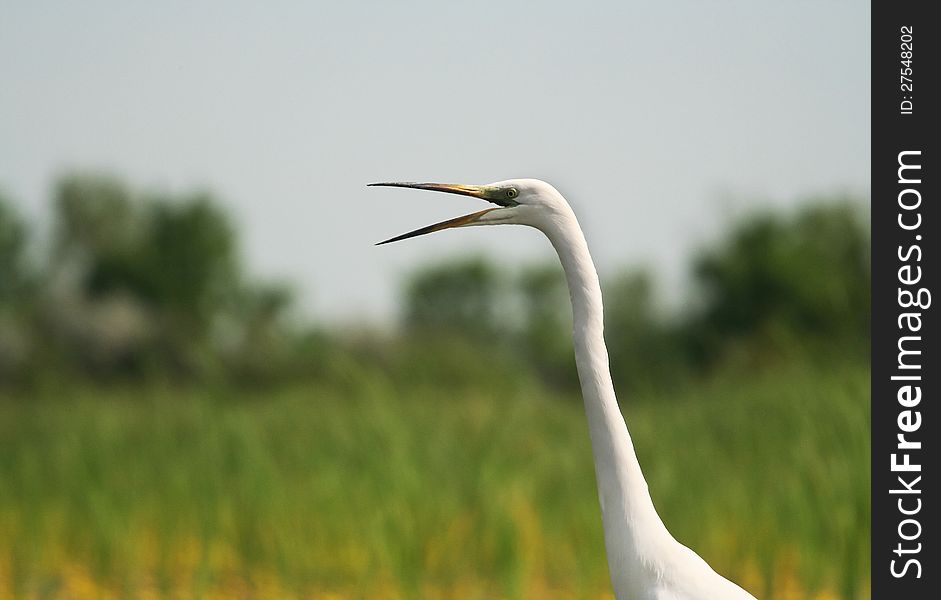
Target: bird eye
512,193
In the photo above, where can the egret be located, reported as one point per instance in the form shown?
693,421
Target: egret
644,560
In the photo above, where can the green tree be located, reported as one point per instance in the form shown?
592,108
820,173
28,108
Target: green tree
167,264
643,347
546,334
787,281
95,217
17,293
14,272
258,343
461,297
187,266
177,254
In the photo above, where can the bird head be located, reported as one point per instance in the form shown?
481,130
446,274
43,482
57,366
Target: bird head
517,202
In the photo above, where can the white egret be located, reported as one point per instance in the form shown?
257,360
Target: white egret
645,561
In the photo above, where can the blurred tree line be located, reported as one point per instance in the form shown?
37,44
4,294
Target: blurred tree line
131,285
135,285
773,288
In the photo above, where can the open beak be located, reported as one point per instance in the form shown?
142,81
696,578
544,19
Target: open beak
487,193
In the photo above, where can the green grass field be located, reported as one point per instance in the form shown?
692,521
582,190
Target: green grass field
376,491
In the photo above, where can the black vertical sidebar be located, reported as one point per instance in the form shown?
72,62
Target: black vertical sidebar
906,371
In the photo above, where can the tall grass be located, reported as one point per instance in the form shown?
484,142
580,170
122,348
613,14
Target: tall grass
380,491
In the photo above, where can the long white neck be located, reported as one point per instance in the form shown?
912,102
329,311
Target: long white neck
630,521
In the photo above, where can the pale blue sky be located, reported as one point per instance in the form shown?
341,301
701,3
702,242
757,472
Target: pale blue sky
648,117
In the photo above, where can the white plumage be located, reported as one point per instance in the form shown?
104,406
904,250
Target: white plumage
644,559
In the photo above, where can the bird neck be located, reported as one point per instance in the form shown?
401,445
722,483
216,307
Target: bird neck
627,510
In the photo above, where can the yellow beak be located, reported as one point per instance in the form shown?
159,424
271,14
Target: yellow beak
476,191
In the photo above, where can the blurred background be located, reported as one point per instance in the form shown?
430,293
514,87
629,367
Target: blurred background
212,384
